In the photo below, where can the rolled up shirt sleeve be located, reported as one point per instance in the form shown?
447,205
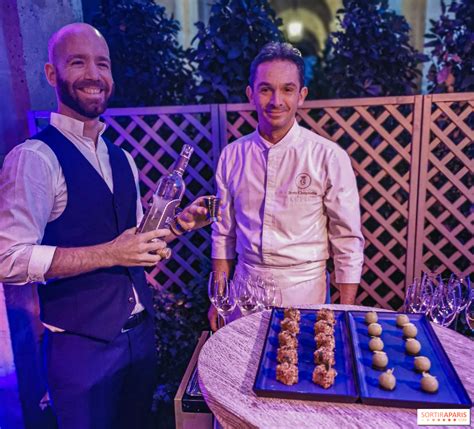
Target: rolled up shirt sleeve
223,233
26,201
344,224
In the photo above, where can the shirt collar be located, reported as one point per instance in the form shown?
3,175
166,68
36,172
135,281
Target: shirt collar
290,136
71,125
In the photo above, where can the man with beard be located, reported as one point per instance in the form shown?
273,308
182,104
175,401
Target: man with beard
288,195
69,204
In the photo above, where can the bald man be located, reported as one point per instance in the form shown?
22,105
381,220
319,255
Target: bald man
69,204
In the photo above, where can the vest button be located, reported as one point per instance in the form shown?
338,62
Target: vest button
131,300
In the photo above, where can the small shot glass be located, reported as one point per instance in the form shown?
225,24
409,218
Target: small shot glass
212,204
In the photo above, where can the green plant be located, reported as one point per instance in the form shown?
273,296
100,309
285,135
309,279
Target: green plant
236,32
371,54
452,48
149,66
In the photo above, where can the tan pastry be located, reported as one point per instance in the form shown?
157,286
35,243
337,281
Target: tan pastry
412,346
422,364
379,359
371,317
375,330
409,330
387,380
375,344
429,383
402,319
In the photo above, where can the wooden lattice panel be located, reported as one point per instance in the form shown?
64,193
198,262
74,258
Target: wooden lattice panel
445,216
377,134
155,137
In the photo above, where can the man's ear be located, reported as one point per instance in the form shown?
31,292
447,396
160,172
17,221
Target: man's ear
51,75
302,97
249,93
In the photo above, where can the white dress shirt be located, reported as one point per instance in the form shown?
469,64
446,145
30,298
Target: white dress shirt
33,193
282,204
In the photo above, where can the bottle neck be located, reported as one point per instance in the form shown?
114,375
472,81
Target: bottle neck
181,165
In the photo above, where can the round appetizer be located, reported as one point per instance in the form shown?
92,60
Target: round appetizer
371,317
324,355
375,344
375,330
379,360
422,364
402,319
387,380
323,340
412,346
287,373
292,313
290,325
429,383
286,338
326,314
324,375
323,326
287,354
409,330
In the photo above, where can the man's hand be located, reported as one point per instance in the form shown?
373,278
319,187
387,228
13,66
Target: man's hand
213,316
130,249
127,250
195,215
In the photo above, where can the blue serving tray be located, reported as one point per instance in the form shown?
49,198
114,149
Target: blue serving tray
344,388
407,393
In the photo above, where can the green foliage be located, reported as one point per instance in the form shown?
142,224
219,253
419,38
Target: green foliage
149,66
236,32
181,316
371,55
452,40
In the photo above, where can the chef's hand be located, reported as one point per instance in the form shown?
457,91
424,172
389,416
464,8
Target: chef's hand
213,316
195,215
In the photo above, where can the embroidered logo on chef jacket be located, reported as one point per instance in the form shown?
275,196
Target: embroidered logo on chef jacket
303,180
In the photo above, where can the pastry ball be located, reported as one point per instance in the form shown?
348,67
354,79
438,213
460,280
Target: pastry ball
287,354
324,376
371,317
286,338
323,340
379,359
429,383
409,330
292,313
287,373
324,326
375,344
375,330
422,363
412,346
387,380
324,355
326,314
402,319
290,325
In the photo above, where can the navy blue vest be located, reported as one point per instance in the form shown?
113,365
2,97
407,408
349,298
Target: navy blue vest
95,304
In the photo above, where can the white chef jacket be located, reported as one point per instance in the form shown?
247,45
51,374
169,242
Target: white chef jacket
282,204
33,193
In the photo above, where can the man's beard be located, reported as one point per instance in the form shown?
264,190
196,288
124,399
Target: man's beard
88,110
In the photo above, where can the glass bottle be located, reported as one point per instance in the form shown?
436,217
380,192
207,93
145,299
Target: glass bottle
169,192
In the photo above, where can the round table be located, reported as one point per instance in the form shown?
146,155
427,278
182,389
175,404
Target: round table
229,361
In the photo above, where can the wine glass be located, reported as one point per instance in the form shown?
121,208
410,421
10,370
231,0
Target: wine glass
469,310
217,281
266,288
418,295
246,295
462,290
444,303
225,299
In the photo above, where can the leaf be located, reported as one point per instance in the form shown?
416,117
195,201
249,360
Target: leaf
443,74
